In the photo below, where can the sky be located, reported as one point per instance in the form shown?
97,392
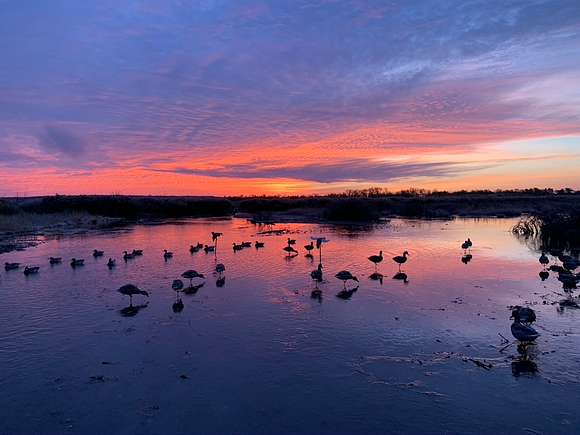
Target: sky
228,97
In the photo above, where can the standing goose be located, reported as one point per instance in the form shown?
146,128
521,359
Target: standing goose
524,315
465,246
544,260
177,285
130,290
401,259
316,275
309,248
345,275
524,333
376,259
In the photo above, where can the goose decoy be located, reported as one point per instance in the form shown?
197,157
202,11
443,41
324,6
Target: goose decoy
220,268
544,260
55,260
128,256
177,285
11,266
167,255
345,275
131,290
237,247
31,270
111,263
316,275
77,262
191,275
259,244
524,333
309,248
97,253
208,248
291,241
523,315
246,244
401,259
376,259
290,250
137,252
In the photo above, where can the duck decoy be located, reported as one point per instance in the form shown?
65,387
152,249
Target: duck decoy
290,250
376,259
131,290
401,259
191,275
128,256
177,285
316,275
220,268
291,241
31,270
259,244
309,248
11,266
523,315
237,247
208,248
111,263
544,260
137,252
97,253
55,260
167,255
523,333
77,262
345,275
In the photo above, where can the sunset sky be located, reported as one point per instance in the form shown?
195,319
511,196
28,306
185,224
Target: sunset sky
287,96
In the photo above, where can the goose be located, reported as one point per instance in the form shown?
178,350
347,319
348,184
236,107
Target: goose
246,244
191,275
291,241
259,244
544,275
76,262
137,252
376,259
316,275
167,255
111,263
290,250
208,248
465,246
128,256
237,247
215,236
523,315
345,275
524,333
97,253
195,248
177,285
178,306
131,290
220,268
132,310
309,248
401,259
11,266
31,270
55,260
469,242
544,260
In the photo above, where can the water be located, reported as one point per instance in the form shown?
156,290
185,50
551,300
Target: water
260,355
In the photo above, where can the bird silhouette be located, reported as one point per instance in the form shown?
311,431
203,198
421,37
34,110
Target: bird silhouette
345,275
401,259
132,290
376,259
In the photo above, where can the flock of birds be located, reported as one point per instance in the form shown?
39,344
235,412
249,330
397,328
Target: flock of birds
523,317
